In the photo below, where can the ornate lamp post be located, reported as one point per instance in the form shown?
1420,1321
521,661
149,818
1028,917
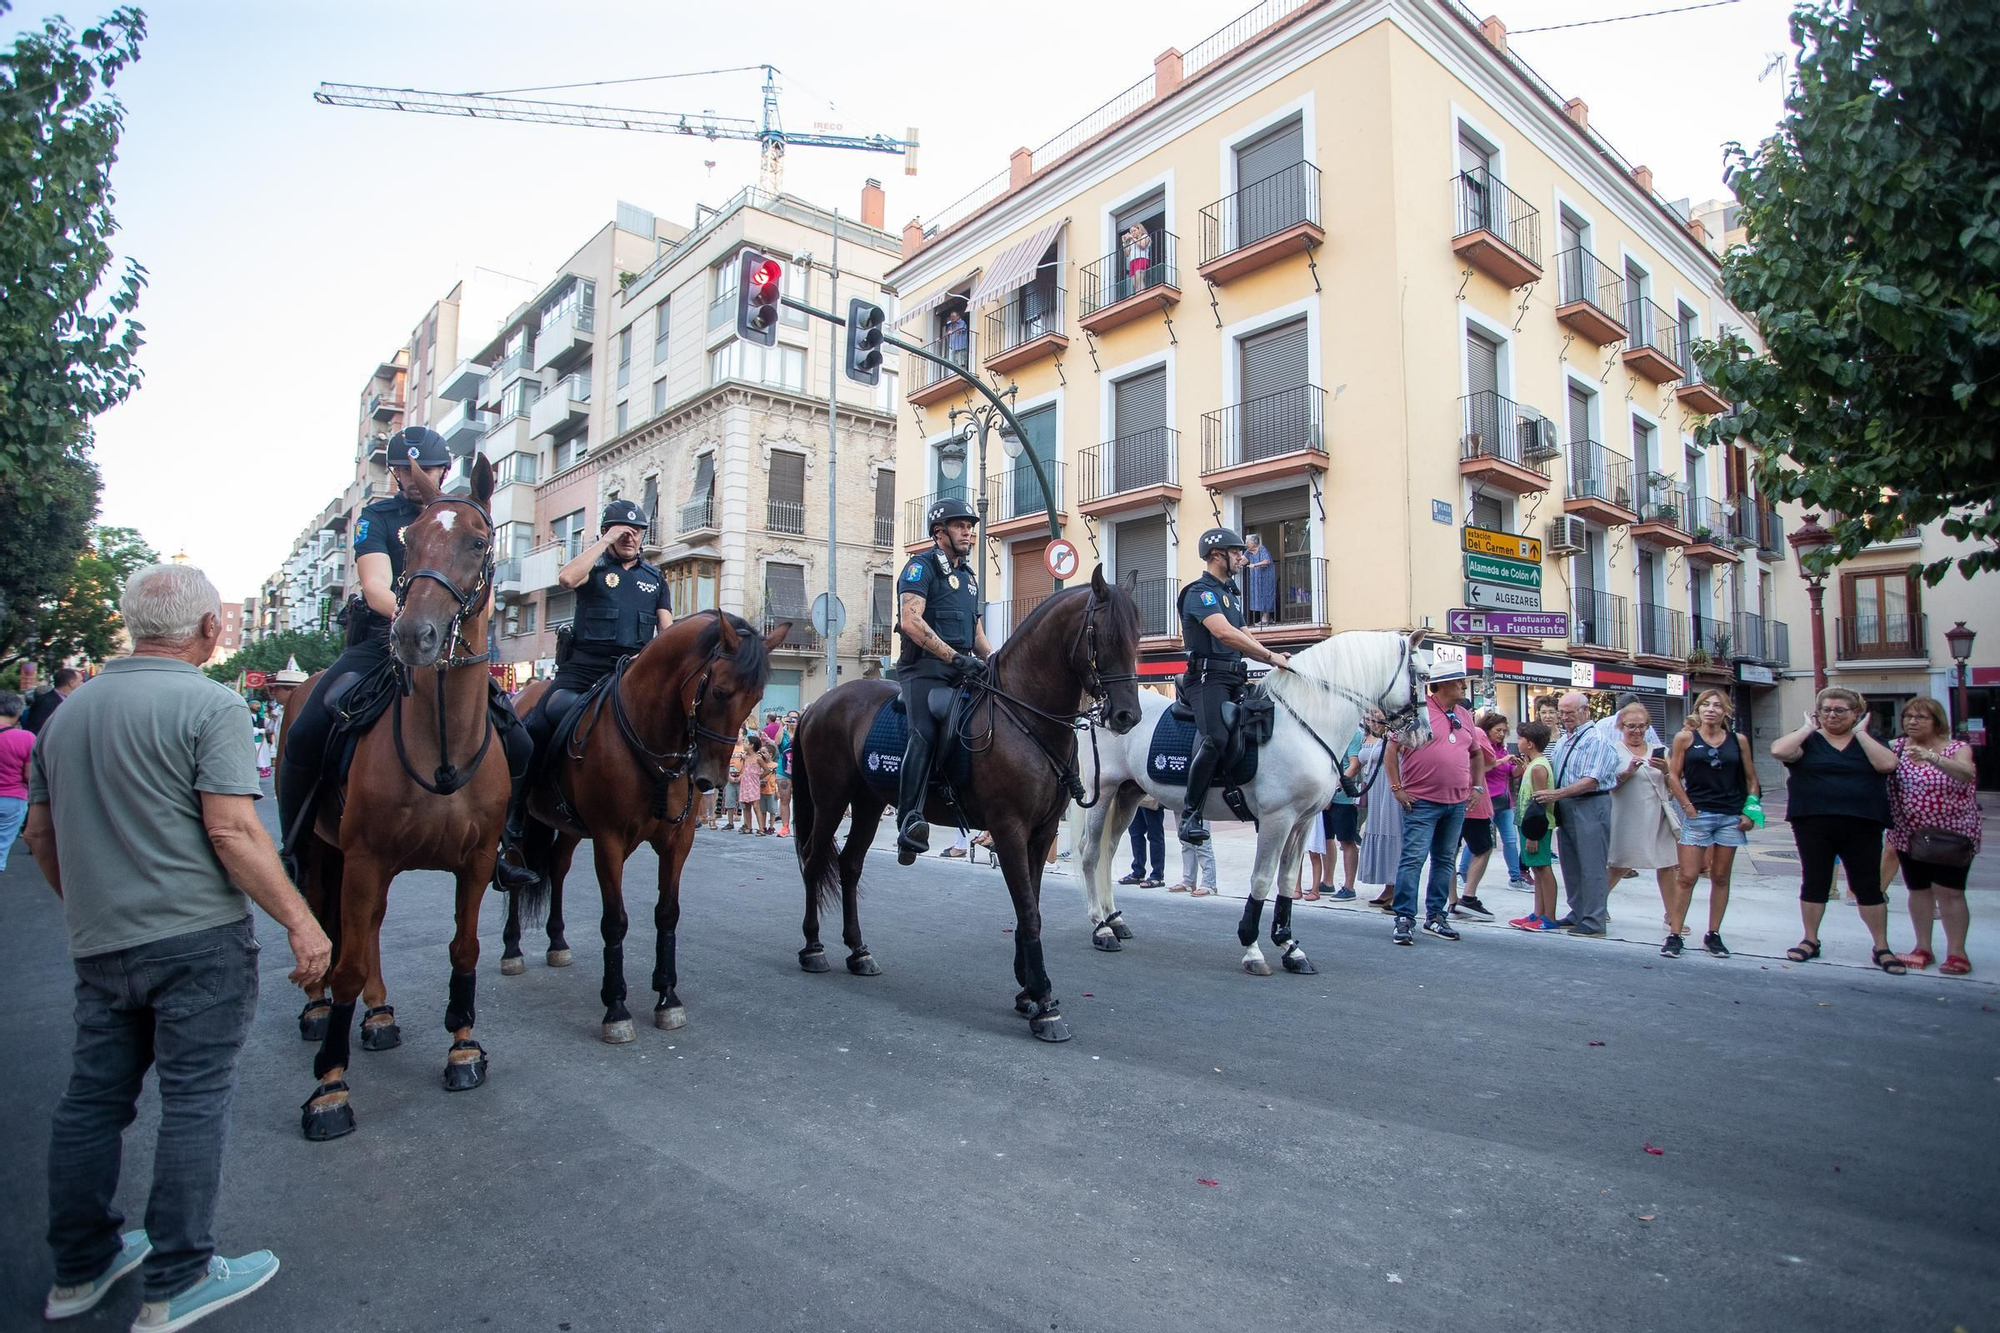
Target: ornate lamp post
1959,639
952,455
1806,539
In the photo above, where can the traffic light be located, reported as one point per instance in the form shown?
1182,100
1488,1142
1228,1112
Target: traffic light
864,341
758,279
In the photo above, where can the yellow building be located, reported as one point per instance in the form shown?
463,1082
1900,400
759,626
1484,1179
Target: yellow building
1393,285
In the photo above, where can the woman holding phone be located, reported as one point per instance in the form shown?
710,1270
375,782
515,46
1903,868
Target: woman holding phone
1712,780
1643,824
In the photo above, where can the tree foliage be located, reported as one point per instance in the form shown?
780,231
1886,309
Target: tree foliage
82,620
315,651
43,537
61,361
1873,273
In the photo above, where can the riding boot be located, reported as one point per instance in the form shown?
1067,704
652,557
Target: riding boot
1201,774
517,867
913,834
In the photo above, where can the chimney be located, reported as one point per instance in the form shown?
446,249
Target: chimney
1020,166
913,237
1699,230
871,203
1578,113
1495,32
1166,72
1644,176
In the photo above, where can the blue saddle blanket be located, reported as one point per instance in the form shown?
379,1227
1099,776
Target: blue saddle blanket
882,752
1172,750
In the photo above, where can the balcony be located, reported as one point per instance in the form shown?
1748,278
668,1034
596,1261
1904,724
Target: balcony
566,337
1777,643
329,573
507,579
1710,642
1261,223
697,519
511,368
462,382
1600,485
1597,623
384,407
1751,637
929,383
1589,297
1652,342
880,640
1015,504
1741,532
885,530
801,638
1300,601
1025,329
1159,611
1265,438
916,533
1695,393
1710,533
1112,295
565,406
1663,632
515,469
540,566
1878,638
1495,230
784,516
464,427
1663,511
1770,535
1009,616
1503,444
1136,471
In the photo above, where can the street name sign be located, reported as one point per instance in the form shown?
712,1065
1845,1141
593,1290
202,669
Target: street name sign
1506,545
1514,624
1494,569
1500,597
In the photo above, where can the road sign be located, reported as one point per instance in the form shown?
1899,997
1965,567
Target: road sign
1061,558
1499,597
1506,545
828,625
1515,624
1493,569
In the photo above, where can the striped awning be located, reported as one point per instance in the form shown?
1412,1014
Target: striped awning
1016,266
930,303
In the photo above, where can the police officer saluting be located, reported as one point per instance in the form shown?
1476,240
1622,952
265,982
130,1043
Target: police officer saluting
1212,630
943,642
621,603
378,566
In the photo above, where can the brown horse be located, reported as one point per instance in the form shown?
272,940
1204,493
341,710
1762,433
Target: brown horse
1084,641
427,790
660,733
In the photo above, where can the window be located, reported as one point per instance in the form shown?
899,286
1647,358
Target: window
881,612
693,583
726,279
1023,494
662,318
699,511
785,509
1140,545
1270,189
1276,415
1142,446
649,500
885,508
1687,325
624,356
659,395
781,367
568,532
570,452
1485,512
514,540
517,400
577,298
1879,616
1475,182
885,392
515,467
623,415
561,609
784,590
1148,211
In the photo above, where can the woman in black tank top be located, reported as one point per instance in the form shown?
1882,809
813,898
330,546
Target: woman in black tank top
1711,778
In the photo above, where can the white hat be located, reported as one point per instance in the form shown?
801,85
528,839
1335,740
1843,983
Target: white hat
291,675
1447,663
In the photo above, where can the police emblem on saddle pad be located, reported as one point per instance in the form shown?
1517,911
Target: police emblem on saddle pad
1172,750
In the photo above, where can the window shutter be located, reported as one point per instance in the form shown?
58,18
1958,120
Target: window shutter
879,601
1139,404
785,589
788,478
1482,364
1271,152
1275,360
885,496
1267,202
1142,547
704,478
1271,508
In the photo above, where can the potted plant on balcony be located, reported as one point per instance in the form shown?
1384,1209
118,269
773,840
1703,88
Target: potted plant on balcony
1704,534
1698,659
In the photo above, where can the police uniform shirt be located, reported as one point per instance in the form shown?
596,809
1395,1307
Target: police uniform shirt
618,607
951,601
1207,596
379,530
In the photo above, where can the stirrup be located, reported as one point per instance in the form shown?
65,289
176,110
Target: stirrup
914,832
1193,828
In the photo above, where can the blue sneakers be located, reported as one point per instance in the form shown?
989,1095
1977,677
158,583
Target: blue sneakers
65,1302
228,1281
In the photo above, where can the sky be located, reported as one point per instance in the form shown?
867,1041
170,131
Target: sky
291,246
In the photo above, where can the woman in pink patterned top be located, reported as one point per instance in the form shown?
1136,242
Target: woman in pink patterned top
1932,787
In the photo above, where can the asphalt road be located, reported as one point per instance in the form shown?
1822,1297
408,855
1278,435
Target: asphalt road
1416,1139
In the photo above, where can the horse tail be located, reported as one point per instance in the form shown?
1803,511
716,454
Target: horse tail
817,864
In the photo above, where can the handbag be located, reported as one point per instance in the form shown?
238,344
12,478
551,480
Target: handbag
1940,847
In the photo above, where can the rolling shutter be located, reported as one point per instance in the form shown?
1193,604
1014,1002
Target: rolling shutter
1142,548
785,590
704,478
1032,580
1275,418
788,478
1267,199
1275,360
1271,152
1138,425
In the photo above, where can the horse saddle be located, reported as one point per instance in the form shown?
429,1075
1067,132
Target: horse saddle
889,734
1175,736
355,700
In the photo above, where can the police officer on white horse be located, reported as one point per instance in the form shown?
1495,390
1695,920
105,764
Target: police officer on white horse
1216,642
943,643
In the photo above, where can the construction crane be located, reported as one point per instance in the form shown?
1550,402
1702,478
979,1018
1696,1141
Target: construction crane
771,136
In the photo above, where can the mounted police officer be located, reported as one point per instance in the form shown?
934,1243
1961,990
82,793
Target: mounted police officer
943,643
621,603
378,567
1212,631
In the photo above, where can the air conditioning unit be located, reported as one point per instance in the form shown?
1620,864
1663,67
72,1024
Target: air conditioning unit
1538,439
1566,535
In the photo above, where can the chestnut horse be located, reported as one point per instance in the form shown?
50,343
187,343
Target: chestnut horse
1022,726
427,790
661,732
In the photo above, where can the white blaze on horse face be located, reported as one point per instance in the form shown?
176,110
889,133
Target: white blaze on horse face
446,517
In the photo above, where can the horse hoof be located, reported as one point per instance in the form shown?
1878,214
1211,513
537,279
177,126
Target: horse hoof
1120,929
1256,967
620,1032
312,1020
465,1067
329,1122
513,967
1105,940
814,960
669,1018
559,958
1051,1028
1298,964
863,965
381,1037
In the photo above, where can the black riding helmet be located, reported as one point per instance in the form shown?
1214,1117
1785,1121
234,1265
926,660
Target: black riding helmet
418,446
626,512
946,510
1220,539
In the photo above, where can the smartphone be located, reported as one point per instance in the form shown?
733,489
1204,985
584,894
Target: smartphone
1659,752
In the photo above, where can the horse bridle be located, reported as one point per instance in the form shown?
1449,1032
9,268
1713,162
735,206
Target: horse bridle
665,765
447,778
1095,680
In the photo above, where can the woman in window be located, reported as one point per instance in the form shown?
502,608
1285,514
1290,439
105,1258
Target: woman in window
1261,574
1936,830
1712,779
1138,246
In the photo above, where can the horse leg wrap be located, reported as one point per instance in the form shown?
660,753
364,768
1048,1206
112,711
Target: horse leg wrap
665,974
1253,916
1038,977
458,1006
334,1051
613,993
1281,922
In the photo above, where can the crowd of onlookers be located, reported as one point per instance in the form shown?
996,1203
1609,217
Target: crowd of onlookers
760,780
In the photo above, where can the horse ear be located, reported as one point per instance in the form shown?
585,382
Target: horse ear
774,637
1417,639
420,487
731,640
482,480
1098,591
1130,583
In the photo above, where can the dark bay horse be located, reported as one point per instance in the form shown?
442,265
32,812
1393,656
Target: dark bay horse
427,791
1083,641
660,734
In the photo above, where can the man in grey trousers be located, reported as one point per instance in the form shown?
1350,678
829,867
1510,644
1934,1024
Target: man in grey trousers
1586,766
141,815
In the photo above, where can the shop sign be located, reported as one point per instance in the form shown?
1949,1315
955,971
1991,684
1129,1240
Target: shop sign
1583,675
1752,674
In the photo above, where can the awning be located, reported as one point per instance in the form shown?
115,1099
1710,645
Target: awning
930,303
1016,266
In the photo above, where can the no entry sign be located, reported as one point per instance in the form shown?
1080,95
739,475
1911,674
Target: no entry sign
1061,558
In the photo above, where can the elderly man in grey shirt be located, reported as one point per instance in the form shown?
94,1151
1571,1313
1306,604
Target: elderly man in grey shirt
1586,767
141,817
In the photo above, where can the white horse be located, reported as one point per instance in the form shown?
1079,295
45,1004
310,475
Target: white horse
1319,703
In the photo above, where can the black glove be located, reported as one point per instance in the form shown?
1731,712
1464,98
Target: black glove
968,666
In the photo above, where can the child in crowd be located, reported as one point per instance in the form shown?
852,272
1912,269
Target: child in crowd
1536,824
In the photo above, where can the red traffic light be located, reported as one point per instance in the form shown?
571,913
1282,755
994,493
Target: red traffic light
767,274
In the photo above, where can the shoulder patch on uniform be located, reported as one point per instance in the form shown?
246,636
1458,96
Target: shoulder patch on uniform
361,531
914,574
1207,598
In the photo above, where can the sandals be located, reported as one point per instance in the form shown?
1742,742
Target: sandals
1886,960
1199,892
1804,951
1310,895
1956,965
1920,958
1178,888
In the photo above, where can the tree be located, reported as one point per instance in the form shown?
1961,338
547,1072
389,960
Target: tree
61,362
315,651
43,537
82,620
1873,272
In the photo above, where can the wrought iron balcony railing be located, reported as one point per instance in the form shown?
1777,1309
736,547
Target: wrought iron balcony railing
1130,462
1268,426
1485,204
1262,208
1110,280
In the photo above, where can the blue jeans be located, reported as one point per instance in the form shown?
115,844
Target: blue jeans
13,812
1430,830
1509,834
1149,831
182,1007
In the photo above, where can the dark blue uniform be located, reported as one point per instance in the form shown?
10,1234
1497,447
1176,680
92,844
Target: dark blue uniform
617,614
950,591
1215,674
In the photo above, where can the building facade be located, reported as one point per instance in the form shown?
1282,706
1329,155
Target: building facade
1395,293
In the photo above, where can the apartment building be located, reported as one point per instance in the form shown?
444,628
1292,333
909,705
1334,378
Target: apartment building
1395,287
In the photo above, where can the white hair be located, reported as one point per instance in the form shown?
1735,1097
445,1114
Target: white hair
165,603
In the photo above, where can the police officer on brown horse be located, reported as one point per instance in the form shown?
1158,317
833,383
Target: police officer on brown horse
943,643
1212,631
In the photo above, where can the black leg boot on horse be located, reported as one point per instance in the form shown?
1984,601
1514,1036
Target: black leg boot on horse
1201,776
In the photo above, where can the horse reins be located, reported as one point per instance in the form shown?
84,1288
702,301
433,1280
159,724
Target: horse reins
1406,713
662,766
447,779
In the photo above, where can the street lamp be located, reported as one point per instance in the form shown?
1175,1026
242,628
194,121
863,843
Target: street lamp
952,454
1959,639
1806,539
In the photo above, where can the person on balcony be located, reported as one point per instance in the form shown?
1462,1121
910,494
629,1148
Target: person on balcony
1261,577
1138,247
957,338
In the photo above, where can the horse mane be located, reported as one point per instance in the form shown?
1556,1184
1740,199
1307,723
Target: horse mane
752,659
1364,661
1034,618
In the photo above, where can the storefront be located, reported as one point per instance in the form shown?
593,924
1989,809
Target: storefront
1521,679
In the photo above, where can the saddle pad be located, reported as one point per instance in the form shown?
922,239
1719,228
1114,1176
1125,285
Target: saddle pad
559,739
882,752
1172,749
